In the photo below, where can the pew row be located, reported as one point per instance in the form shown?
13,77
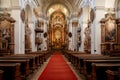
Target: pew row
28,62
24,67
11,71
83,62
113,75
98,70
1,74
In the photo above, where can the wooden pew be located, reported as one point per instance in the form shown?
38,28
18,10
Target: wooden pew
87,64
1,74
4,52
46,54
31,58
77,59
113,75
88,61
41,57
24,67
73,57
11,71
80,59
98,70
29,61
34,59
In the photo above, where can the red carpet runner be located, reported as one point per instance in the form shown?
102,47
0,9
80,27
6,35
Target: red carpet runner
57,69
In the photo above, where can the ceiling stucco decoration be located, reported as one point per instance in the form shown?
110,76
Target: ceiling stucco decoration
92,15
36,13
71,5
75,23
57,7
80,12
57,18
22,15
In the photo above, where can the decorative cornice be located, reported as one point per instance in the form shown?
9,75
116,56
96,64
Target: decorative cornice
75,23
7,9
16,7
110,9
99,8
32,22
85,22
11,8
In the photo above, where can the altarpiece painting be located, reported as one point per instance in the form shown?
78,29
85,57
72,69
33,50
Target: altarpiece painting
110,41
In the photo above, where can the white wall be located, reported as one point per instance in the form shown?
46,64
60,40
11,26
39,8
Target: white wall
99,8
5,3
109,3
99,14
20,28
18,32
97,31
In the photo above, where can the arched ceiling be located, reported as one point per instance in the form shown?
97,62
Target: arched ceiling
71,5
57,7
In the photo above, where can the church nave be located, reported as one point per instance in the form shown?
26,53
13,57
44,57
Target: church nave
83,35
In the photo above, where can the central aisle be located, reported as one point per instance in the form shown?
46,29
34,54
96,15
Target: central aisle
57,69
